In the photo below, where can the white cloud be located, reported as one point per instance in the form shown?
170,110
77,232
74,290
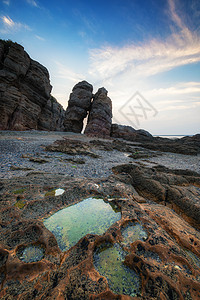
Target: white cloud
66,73
127,69
180,48
40,38
149,59
181,88
6,2
9,26
32,3
8,21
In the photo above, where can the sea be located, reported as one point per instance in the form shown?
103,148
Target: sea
170,136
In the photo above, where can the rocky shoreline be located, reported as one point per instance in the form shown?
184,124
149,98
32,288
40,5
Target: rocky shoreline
163,201
110,214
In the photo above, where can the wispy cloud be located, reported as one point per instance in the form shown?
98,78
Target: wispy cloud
32,3
10,26
88,23
182,88
40,38
182,47
66,73
124,70
6,2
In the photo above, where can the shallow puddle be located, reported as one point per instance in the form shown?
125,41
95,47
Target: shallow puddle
31,253
70,224
121,279
133,232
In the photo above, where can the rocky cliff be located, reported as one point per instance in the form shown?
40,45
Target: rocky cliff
25,99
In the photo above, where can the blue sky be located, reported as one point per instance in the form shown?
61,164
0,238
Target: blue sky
127,46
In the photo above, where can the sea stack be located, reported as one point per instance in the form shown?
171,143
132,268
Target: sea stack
78,106
100,115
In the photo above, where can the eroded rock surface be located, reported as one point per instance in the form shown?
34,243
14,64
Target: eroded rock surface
100,115
165,256
129,133
178,189
25,99
186,145
78,106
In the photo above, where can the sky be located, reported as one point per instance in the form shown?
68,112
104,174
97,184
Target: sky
145,53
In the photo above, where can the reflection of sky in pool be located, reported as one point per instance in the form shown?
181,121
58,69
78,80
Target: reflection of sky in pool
56,192
59,192
91,215
121,279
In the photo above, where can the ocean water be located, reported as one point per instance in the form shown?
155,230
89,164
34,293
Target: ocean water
171,136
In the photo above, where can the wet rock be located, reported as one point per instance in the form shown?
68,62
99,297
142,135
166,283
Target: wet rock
25,100
100,115
78,106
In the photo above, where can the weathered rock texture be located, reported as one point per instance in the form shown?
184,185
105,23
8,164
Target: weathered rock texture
78,106
100,116
167,261
189,145
25,99
129,133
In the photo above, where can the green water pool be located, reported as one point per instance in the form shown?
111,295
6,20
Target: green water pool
70,224
121,279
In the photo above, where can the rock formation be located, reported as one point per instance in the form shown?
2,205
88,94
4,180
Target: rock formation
25,100
189,145
166,259
78,106
100,115
129,133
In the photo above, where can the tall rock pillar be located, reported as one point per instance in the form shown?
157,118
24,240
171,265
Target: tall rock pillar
100,115
78,106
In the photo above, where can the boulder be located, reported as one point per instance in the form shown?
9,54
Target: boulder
25,99
129,133
78,106
122,131
100,115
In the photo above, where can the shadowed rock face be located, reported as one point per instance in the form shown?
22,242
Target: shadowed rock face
100,116
189,145
78,106
129,133
25,100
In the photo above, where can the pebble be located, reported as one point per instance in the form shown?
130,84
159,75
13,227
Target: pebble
17,147
16,152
